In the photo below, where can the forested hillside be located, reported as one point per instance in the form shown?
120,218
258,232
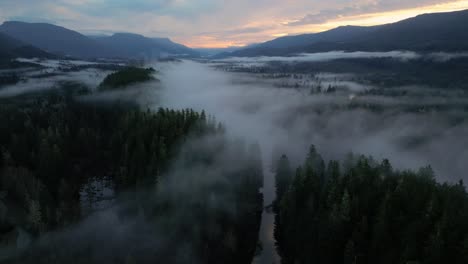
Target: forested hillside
11,48
56,151
363,211
127,76
433,32
51,146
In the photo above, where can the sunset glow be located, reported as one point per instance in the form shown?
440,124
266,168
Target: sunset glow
212,24
369,19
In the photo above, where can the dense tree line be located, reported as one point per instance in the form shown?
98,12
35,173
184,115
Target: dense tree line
58,143
219,212
9,79
384,72
53,146
127,76
362,211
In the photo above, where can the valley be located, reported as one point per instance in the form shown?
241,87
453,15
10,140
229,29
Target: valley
344,146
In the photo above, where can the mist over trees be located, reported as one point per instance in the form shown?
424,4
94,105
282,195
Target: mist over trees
104,162
57,153
58,144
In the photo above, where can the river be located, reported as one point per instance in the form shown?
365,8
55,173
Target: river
269,254
245,110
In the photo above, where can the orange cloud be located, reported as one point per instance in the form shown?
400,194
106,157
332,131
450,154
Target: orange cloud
278,27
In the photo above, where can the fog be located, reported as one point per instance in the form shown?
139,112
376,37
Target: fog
445,56
124,228
55,64
282,121
89,78
335,55
288,119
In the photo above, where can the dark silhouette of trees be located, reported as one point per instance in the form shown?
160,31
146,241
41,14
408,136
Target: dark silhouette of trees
367,212
54,148
127,76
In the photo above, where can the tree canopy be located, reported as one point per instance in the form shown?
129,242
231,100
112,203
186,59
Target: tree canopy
363,211
126,77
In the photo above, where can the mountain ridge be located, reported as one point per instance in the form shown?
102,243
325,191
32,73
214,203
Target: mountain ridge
62,41
427,32
54,39
11,48
135,45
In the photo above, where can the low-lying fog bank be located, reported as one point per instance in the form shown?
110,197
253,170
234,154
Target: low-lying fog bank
35,75
287,120
411,125
338,55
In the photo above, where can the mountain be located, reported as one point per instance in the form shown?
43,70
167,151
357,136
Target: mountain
63,41
55,39
133,45
12,48
175,48
207,52
335,35
428,32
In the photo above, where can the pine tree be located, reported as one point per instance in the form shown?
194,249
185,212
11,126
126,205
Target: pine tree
283,176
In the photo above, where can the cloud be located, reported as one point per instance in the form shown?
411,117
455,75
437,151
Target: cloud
50,77
213,23
332,55
444,56
291,120
325,15
338,55
177,8
286,119
235,31
32,19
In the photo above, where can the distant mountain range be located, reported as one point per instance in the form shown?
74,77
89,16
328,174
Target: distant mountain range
12,48
215,51
55,39
133,45
428,32
425,33
65,42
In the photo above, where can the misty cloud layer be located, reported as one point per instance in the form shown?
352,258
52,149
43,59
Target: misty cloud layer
287,121
337,55
281,120
128,229
90,78
290,121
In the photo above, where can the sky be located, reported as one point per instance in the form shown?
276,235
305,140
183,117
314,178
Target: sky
217,23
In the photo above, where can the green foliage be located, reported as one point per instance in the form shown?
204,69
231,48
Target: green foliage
127,76
283,176
366,212
47,143
219,212
52,147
